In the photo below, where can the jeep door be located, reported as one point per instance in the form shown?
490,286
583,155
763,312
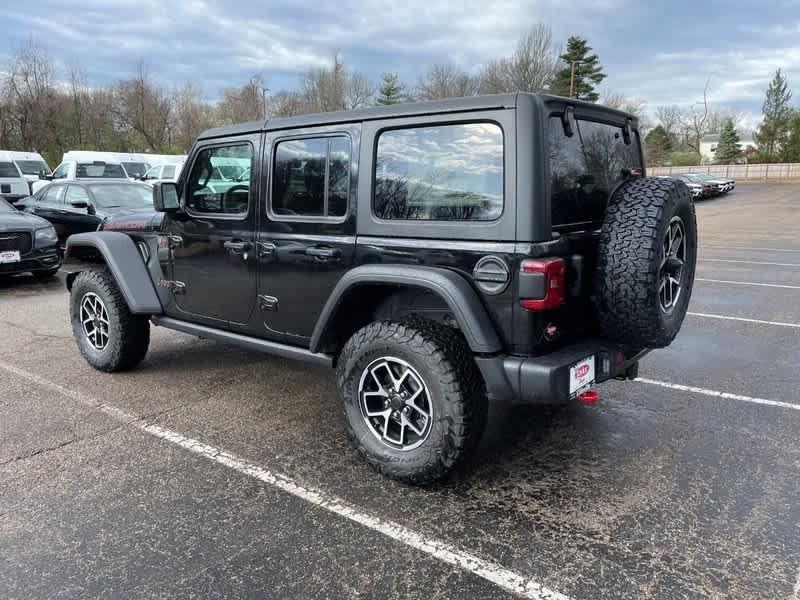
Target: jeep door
306,241
212,263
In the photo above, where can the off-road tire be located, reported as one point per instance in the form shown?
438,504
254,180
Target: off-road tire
442,358
626,290
129,334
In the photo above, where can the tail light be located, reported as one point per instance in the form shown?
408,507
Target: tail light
544,278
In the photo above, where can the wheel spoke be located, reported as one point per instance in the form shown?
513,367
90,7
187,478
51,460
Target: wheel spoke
410,424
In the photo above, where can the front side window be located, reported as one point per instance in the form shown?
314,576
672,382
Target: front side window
53,194
440,173
586,167
209,191
153,173
169,172
124,195
8,169
61,171
311,177
76,194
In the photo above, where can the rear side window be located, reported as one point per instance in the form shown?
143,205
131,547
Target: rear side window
209,191
8,169
586,167
440,173
311,177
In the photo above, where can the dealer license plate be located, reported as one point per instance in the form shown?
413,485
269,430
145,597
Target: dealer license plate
581,375
9,256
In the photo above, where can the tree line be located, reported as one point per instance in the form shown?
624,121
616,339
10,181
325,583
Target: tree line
676,139
44,110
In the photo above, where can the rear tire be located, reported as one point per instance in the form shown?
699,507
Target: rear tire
638,253
432,361
109,337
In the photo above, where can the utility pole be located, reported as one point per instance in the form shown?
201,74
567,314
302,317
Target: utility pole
264,91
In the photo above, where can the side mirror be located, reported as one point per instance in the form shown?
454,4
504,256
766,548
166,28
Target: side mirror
165,197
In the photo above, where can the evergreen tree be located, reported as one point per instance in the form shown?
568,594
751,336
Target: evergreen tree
588,71
658,146
390,90
790,149
777,113
728,149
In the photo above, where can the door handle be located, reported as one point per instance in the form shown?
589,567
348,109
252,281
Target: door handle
237,247
323,252
266,249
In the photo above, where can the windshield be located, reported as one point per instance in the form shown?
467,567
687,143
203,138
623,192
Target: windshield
132,195
33,167
586,166
136,169
8,169
5,207
99,170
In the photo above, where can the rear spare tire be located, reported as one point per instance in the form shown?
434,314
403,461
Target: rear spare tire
646,262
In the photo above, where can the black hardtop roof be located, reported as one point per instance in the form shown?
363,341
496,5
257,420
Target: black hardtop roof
407,109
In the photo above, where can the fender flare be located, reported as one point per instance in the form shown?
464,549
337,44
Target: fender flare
455,290
125,263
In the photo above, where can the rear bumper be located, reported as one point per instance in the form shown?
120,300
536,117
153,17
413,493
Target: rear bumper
45,259
545,379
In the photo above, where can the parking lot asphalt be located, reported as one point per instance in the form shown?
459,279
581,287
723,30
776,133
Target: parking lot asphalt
113,485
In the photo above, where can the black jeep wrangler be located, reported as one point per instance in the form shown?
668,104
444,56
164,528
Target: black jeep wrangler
439,255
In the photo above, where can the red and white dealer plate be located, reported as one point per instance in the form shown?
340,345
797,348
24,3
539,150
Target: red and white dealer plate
581,375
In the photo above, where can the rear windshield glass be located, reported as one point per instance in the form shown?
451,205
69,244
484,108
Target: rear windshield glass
95,170
136,169
8,169
33,167
585,167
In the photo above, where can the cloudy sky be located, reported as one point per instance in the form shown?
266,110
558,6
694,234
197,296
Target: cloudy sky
660,51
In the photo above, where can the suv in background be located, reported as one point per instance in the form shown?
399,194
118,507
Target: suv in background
439,255
30,164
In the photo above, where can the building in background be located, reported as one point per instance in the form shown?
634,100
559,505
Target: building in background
708,146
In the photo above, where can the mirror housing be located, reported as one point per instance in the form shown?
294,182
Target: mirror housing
79,204
165,197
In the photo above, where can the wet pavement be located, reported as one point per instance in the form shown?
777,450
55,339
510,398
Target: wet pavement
655,493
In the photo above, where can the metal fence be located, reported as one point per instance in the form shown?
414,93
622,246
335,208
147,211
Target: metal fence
774,172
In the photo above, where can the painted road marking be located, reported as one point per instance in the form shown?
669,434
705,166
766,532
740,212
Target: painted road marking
497,574
743,319
770,285
749,262
704,246
717,394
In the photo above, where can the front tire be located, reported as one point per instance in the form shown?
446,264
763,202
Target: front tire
109,337
412,398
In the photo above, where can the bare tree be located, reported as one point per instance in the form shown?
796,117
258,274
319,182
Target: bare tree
695,120
29,94
446,81
634,106
529,69
358,91
143,108
244,103
670,117
287,104
191,115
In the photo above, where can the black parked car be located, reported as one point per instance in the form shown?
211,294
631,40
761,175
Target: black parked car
79,206
439,255
27,243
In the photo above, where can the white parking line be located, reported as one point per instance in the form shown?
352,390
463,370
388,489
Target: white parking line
704,246
749,262
497,574
717,394
744,320
769,285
